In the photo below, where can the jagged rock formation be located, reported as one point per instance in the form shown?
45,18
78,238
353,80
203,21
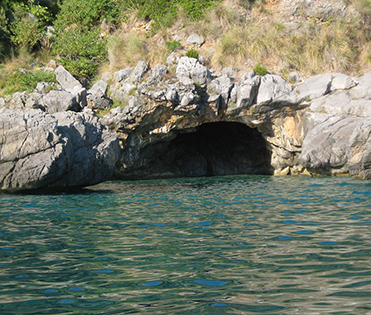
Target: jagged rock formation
39,150
69,94
186,122
165,113
265,110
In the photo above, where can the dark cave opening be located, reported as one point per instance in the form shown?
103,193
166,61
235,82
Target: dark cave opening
215,149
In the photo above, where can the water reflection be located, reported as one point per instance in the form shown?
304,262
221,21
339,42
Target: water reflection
234,245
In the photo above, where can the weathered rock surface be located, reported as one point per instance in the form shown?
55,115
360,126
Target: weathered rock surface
191,123
139,71
67,95
316,127
66,80
39,150
193,69
195,39
97,96
337,140
168,109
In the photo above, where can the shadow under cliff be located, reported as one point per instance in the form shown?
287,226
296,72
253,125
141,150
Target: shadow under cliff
212,149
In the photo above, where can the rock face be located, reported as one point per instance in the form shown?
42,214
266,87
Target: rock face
195,125
187,123
338,137
177,126
39,150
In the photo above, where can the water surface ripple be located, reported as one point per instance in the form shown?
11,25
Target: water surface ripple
227,245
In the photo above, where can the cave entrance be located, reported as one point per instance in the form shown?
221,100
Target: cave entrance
215,149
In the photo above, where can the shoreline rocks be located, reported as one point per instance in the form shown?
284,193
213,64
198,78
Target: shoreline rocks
53,140
67,149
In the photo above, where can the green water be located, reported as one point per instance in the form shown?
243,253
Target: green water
231,245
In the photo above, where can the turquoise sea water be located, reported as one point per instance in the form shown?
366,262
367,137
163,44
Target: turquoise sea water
227,245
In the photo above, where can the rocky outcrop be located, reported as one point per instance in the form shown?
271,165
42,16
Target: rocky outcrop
337,140
164,110
66,149
52,98
316,127
186,122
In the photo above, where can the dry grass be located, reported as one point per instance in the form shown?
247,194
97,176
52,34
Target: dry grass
131,44
314,47
241,37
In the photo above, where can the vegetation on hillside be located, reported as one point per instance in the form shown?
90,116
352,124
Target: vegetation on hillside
92,36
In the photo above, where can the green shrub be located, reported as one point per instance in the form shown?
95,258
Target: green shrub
173,45
86,12
81,50
260,70
4,33
26,29
78,40
192,53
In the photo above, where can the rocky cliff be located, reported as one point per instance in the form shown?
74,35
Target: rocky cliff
185,120
194,123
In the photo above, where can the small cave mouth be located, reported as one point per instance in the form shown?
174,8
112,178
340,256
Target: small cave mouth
215,149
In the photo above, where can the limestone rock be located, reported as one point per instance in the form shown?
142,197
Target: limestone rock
229,72
99,88
39,150
341,103
156,74
98,101
222,87
337,130
191,68
18,100
66,79
59,101
315,86
35,101
245,92
342,82
97,96
195,39
363,89
43,87
139,71
23,100
122,74
338,146
274,89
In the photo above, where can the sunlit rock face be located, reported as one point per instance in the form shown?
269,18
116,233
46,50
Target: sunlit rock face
213,149
194,124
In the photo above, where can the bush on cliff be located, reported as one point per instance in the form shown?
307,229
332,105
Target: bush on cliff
78,41
4,34
23,24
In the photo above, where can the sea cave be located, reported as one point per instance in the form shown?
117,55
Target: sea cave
212,149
